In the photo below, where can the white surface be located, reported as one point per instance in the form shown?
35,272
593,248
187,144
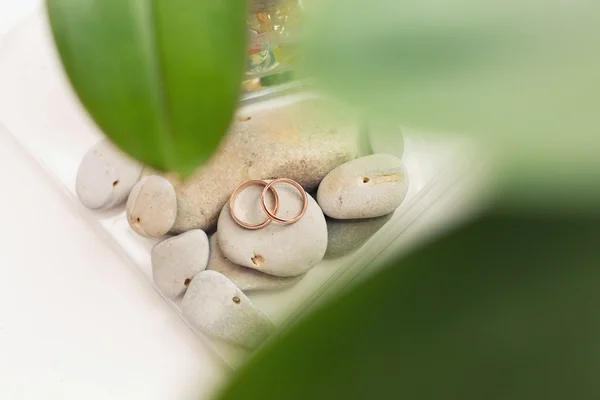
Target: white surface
12,11
76,321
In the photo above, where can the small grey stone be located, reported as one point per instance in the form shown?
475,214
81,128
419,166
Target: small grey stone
152,206
347,235
367,187
219,309
281,250
246,279
106,176
303,141
175,261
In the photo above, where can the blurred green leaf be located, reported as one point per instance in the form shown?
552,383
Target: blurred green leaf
520,76
160,78
504,308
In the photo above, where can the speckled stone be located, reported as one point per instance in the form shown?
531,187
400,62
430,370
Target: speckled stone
247,279
152,206
302,142
348,235
106,176
281,250
219,309
175,261
367,187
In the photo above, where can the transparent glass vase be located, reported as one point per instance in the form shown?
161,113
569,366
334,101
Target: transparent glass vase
61,133
273,51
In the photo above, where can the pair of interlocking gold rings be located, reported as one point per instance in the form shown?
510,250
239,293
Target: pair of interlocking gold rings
271,215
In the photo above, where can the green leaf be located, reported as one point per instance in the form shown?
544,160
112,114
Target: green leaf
504,308
160,78
520,76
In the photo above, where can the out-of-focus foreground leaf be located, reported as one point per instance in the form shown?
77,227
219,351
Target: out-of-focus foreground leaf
521,75
161,78
504,308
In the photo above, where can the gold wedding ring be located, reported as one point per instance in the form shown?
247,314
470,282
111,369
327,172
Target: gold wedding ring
271,215
236,193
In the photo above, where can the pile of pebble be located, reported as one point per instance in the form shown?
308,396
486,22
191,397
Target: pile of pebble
213,274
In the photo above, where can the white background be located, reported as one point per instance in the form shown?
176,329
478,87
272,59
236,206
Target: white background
12,11
76,322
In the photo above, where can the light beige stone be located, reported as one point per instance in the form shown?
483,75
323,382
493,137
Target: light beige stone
152,206
247,279
106,176
175,261
367,187
221,310
281,250
302,142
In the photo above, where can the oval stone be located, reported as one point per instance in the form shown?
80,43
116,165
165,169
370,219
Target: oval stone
219,309
175,261
106,176
367,187
301,141
281,250
247,279
152,206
